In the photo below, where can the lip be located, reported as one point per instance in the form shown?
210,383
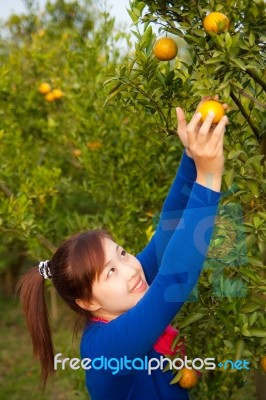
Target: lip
140,286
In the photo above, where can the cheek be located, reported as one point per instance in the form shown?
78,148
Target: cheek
111,290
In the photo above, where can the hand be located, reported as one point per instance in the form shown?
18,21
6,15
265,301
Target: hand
204,141
181,120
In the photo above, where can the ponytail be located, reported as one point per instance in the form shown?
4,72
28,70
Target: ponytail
32,297
73,269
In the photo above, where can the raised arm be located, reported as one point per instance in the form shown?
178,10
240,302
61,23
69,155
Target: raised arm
150,257
173,207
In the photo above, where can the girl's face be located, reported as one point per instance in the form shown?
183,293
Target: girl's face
121,284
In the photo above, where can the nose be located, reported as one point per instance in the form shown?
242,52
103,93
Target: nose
129,271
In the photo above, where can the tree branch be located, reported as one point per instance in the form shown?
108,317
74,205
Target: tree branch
5,189
46,243
241,91
256,78
245,115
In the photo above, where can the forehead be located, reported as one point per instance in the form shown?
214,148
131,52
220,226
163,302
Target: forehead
109,248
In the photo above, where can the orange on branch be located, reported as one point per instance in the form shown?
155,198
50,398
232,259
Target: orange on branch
76,152
94,145
44,88
189,378
50,97
216,22
57,93
214,106
165,49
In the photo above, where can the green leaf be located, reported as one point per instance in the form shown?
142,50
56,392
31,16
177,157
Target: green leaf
251,39
228,344
251,274
258,333
240,344
250,307
254,187
214,60
228,40
255,261
177,377
228,177
245,331
239,63
252,319
190,319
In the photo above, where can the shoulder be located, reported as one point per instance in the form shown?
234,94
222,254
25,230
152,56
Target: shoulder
88,337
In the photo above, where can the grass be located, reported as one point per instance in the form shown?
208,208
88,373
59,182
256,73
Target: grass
19,372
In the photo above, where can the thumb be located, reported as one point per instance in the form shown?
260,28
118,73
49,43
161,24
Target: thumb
181,121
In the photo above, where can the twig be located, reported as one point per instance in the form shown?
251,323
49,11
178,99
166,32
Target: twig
46,243
245,115
5,189
252,98
256,78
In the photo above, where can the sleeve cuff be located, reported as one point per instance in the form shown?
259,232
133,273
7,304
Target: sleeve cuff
187,169
202,196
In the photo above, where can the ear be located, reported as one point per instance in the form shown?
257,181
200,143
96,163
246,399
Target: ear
88,305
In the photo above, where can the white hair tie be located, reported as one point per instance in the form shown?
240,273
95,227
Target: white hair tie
45,270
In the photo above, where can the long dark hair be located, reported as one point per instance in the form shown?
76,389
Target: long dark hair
74,267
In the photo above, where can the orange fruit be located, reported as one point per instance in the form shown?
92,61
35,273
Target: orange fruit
216,22
50,97
44,88
57,94
165,49
41,33
263,363
211,105
77,152
94,145
188,379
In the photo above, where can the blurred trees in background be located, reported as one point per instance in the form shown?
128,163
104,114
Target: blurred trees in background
71,164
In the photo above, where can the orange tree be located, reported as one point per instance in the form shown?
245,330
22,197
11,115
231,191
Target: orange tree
225,317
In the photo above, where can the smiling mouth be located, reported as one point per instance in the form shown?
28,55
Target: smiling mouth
139,287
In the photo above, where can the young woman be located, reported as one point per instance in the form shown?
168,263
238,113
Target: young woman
129,301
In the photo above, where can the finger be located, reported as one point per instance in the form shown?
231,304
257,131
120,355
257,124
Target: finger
205,128
181,120
193,128
218,132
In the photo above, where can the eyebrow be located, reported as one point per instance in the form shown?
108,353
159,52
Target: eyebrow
109,262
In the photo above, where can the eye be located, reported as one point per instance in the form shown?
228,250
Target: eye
110,272
123,253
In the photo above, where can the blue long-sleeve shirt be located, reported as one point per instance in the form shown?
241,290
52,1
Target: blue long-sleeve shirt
172,262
